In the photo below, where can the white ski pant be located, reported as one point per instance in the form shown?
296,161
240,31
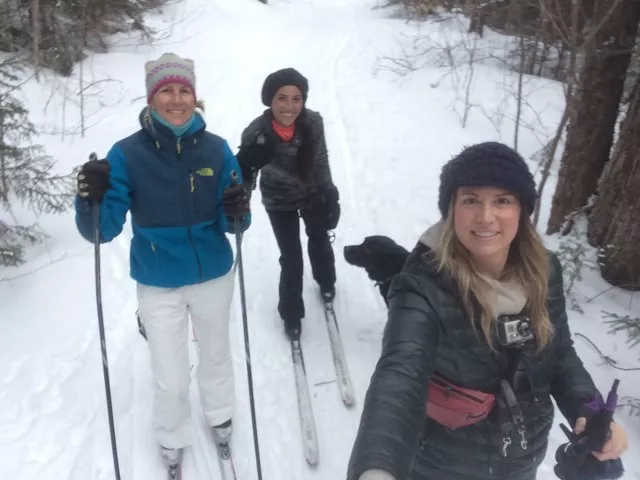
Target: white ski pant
165,313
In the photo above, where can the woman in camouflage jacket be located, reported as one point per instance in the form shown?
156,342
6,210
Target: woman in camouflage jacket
287,144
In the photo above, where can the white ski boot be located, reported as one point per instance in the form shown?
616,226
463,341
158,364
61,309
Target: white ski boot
222,438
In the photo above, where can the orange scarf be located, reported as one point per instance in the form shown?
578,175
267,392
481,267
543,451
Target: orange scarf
285,133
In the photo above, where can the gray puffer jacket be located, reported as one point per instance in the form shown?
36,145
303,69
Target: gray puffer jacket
297,173
429,332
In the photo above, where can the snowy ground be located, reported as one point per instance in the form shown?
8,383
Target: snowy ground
388,137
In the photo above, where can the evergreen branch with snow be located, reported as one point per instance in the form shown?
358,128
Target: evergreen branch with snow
574,254
608,359
625,323
630,403
35,185
12,240
26,174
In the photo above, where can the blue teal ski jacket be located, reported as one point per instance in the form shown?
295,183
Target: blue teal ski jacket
173,188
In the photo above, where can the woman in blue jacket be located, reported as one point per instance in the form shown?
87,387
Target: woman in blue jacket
176,180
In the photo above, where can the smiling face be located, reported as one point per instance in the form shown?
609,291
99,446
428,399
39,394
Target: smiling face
486,221
175,103
286,105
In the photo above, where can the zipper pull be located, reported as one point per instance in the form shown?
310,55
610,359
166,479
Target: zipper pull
178,146
506,441
153,247
193,186
523,439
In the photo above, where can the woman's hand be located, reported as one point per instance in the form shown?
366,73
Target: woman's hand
254,156
615,446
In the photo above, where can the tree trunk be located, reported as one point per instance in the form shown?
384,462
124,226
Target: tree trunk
614,223
35,26
600,220
4,184
476,18
593,116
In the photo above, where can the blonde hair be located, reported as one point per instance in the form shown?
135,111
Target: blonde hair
527,265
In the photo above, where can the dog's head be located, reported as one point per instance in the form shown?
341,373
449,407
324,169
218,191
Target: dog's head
380,256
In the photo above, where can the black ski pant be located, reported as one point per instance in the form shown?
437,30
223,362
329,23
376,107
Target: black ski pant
286,227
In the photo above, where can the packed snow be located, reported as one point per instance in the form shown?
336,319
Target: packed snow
388,136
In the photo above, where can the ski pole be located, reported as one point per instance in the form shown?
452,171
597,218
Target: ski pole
103,344
243,304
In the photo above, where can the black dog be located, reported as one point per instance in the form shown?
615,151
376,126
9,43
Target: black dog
381,257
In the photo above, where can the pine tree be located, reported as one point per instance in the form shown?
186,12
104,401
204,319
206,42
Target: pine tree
590,133
614,219
26,172
625,323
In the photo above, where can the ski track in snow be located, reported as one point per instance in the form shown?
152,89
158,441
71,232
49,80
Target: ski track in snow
53,422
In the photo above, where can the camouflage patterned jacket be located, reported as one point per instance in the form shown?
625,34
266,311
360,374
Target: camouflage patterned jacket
296,174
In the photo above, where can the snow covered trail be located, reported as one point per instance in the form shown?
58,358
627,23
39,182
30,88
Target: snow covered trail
387,139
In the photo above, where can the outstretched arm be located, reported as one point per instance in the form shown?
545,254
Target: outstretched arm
572,386
393,417
254,153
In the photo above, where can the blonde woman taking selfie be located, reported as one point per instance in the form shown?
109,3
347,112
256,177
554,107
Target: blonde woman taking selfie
477,342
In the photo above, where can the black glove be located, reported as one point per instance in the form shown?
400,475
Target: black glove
93,180
575,461
590,469
254,156
331,202
235,201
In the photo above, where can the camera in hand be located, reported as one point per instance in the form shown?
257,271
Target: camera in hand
514,329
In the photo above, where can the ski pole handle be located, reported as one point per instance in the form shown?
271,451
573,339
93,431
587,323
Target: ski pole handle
93,157
236,219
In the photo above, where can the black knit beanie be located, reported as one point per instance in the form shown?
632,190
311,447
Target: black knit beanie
277,80
489,164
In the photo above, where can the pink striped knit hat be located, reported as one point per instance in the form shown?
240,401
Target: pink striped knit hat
169,68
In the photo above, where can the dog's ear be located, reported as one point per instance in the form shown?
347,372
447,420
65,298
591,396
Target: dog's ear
401,251
381,244
378,255
350,252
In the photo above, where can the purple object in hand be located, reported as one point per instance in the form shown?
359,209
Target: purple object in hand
612,398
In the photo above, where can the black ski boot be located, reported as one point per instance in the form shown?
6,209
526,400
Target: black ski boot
328,293
293,328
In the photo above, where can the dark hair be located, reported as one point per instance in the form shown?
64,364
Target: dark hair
307,149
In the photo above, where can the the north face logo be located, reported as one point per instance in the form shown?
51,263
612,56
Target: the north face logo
205,172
